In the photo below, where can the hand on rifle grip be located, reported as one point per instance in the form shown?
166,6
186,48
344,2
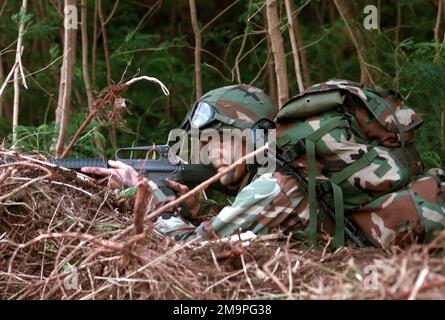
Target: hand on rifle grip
191,203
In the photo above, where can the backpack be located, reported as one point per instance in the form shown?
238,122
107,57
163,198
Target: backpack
415,213
352,142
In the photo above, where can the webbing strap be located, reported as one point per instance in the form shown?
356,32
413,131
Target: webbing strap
339,239
286,138
363,162
312,172
318,134
233,122
283,140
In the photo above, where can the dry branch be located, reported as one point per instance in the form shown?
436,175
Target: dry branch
78,230
140,206
206,184
110,97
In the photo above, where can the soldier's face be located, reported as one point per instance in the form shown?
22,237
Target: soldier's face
222,154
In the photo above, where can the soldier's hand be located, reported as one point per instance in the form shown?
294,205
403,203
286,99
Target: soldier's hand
119,175
191,203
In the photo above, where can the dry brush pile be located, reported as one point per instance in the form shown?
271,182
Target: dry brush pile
57,226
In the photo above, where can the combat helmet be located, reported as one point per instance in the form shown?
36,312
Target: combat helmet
236,106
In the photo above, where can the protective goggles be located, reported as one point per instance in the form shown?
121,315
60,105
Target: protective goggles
203,114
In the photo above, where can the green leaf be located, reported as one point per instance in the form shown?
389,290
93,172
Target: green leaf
129,192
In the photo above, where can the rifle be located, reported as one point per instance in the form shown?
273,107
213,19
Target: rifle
193,174
154,169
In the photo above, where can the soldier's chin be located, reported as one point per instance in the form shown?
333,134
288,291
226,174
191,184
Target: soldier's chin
227,179
232,177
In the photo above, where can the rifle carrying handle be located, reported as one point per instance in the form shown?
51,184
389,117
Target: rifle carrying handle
161,150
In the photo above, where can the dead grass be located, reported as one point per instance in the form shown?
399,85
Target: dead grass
60,220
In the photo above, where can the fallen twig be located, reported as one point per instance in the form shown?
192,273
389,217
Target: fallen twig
140,206
272,276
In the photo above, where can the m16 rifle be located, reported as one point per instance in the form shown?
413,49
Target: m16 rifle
155,165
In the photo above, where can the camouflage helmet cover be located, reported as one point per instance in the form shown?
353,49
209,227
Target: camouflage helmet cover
241,102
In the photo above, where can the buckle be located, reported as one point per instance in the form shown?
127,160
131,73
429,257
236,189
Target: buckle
289,155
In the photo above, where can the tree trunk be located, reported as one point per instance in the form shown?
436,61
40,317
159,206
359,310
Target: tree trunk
346,12
105,43
278,51
65,88
271,79
198,48
86,74
306,74
295,54
103,30
437,38
94,49
17,72
2,77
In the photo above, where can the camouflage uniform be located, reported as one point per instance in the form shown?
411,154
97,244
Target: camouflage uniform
382,198
270,200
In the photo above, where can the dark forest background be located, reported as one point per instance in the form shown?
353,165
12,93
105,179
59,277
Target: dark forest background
156,38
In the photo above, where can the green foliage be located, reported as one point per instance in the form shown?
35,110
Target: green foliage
163,45
423,82
41,139
129,192
431,159
33,139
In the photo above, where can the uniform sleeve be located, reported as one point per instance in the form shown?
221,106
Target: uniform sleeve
271,200
267,202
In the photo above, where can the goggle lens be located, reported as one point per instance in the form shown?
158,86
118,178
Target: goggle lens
203,115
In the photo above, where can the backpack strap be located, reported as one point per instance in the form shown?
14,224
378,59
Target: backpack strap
360,164
339,240
311,139
297,145
308,142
